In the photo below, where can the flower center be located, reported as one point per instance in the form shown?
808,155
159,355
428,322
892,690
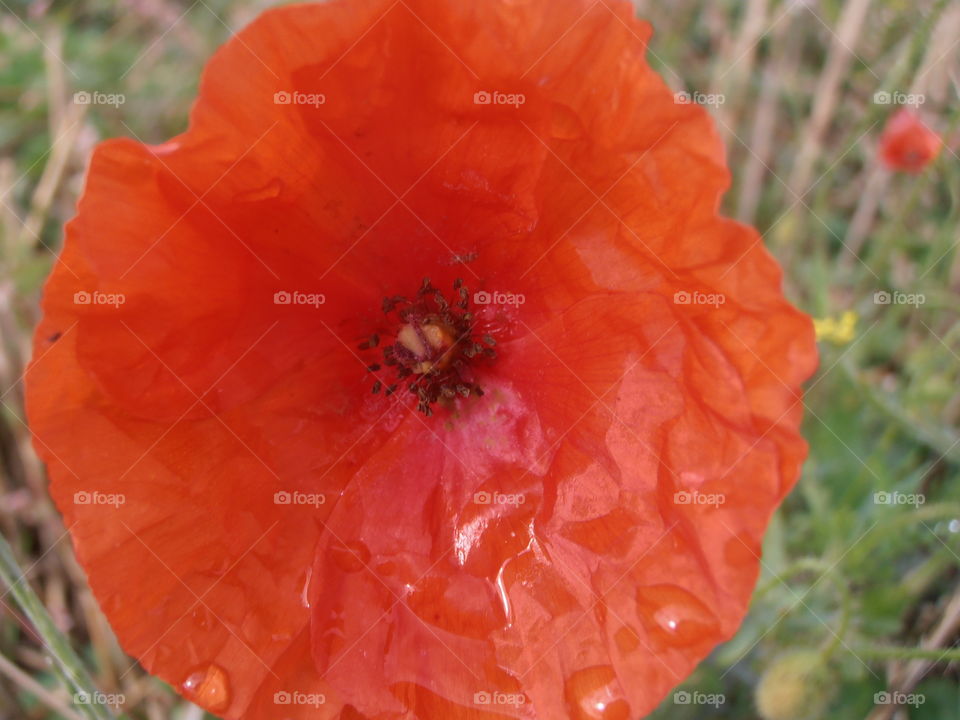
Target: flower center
434,348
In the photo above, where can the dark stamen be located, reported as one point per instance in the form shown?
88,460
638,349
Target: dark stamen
434,343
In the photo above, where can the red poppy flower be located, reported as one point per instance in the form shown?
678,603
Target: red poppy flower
907,143
420,377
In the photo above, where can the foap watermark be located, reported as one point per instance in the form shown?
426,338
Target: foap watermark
683,697
484,697
899,498
498,498
899,98
282,497
82,297
283,697
95,497
282,97
885,297
283,297
685,297
99,698
84,97
495,97
498,298
899,698
695,497
698,98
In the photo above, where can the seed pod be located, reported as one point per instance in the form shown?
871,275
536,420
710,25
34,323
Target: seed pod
795,686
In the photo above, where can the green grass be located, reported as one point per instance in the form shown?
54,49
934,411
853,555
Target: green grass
865,584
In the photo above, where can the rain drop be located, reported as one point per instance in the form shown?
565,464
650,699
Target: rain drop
208,687
270,190
305,591
594,693
674,616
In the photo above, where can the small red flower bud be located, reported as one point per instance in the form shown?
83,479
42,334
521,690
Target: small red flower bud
907,144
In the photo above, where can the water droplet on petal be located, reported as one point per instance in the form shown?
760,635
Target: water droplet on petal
504,596
270,190
305,591
208,687
202,617
594,693
222,567
675,616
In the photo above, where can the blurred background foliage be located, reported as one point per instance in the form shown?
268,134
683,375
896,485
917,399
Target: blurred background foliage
856,596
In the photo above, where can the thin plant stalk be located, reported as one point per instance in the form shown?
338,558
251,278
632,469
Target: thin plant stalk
70,666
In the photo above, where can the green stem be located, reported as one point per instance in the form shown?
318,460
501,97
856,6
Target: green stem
893,524
941,441
806,564
893,652
846,613
812,564
66,663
